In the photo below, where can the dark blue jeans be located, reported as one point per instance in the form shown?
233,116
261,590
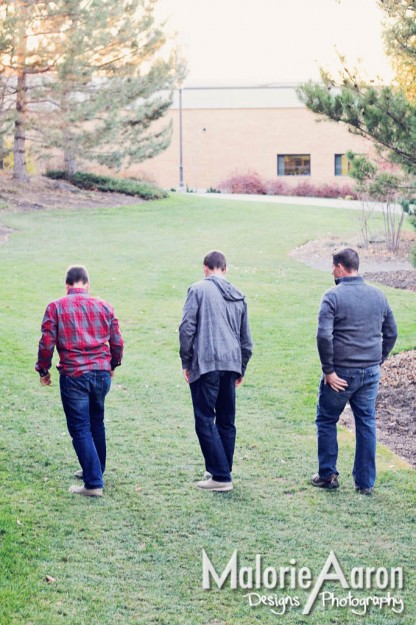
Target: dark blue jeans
83,402
361,394
213,398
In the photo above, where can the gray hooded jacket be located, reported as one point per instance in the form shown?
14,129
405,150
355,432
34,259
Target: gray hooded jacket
214,334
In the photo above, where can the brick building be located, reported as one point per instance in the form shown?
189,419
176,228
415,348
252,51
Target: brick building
264,129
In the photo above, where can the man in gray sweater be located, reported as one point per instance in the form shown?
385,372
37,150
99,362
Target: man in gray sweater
356,333
215,347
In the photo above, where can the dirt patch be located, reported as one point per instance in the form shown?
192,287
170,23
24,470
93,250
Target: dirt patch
375,259
396,402
44,193
396,406
403,279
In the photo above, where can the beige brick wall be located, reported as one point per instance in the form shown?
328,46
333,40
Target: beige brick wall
219,142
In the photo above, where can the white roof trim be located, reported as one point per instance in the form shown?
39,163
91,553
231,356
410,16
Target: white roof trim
267,97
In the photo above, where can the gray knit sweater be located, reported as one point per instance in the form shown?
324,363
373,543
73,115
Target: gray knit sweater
214,334
356,327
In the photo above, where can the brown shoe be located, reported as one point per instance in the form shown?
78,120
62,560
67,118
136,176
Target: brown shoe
86,492
330,483
214,485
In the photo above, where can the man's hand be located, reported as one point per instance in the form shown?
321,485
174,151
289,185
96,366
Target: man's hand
239,381
46,380
186,374
112,373
337,384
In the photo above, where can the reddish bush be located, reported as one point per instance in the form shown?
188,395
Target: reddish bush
334,191
304,189
252,183
277,187
328,191
349,192
249,182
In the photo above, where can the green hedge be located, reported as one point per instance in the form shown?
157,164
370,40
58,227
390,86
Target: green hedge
94,182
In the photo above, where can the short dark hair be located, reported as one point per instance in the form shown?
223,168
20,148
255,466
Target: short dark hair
215,260
348,258
76,273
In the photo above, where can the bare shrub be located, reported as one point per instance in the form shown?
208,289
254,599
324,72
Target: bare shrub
249,183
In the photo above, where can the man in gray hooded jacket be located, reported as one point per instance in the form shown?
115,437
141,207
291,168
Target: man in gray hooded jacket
215,347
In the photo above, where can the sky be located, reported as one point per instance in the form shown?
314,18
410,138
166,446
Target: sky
260,42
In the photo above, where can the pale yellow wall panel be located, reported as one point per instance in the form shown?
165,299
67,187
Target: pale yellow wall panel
219,142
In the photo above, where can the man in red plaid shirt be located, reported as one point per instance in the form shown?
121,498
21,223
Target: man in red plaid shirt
86,334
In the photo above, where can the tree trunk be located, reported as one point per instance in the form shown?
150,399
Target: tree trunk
19,168
70,162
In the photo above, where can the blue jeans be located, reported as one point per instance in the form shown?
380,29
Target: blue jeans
213,398
83,402
361,393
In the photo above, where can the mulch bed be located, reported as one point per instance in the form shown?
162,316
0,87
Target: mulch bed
396,406
44,193
401,279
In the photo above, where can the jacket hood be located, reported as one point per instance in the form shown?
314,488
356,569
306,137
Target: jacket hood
227,290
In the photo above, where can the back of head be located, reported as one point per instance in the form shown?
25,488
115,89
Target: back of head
215,260
348,258
75,274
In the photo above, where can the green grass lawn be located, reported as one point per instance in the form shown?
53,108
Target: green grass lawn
134,557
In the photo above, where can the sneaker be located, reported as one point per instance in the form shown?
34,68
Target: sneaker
86,492
207,475
329,482
213,485
79,474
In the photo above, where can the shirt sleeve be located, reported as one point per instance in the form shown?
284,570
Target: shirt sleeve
245,341
116,344
389,333
188,328
325,334
47,340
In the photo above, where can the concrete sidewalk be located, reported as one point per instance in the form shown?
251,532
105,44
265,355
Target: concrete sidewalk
289,199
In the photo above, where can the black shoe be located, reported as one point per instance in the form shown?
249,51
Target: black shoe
363,491
329,482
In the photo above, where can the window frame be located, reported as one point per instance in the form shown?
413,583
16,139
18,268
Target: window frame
341,157
282,171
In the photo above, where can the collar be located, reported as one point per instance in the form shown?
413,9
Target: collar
73,290
349,279
216,275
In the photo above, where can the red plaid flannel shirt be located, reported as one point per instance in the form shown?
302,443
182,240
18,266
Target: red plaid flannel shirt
85,332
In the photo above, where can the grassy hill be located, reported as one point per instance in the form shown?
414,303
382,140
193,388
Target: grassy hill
135,556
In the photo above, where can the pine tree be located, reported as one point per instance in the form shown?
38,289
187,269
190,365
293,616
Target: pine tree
29,49
383,115
91,77
400,38
386,115
112,83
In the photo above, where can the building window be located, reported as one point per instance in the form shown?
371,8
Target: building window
342,165
293,164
